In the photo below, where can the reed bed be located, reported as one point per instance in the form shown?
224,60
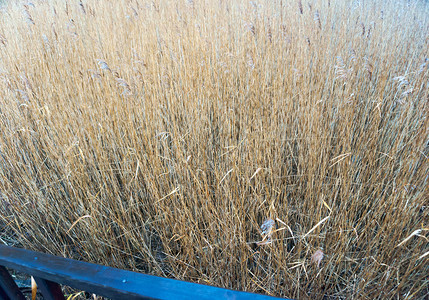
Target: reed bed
278,147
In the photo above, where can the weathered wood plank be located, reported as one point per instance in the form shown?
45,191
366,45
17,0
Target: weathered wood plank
111,282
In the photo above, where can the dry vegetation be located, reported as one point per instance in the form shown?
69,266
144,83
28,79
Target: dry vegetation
159,136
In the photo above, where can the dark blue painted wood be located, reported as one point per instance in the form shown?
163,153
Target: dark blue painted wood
111,282
9,289
50,290
3,295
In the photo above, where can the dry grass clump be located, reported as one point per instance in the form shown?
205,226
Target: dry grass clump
160,135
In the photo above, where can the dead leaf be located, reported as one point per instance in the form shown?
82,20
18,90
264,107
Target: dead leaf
317,257
33,288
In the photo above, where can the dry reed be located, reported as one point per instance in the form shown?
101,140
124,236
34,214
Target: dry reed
158,136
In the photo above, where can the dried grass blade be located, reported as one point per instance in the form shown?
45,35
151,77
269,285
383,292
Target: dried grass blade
77,221
317,225
415,232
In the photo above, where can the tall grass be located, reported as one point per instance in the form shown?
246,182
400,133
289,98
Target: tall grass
159,136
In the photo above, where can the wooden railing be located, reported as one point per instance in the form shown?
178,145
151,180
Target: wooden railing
50,271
